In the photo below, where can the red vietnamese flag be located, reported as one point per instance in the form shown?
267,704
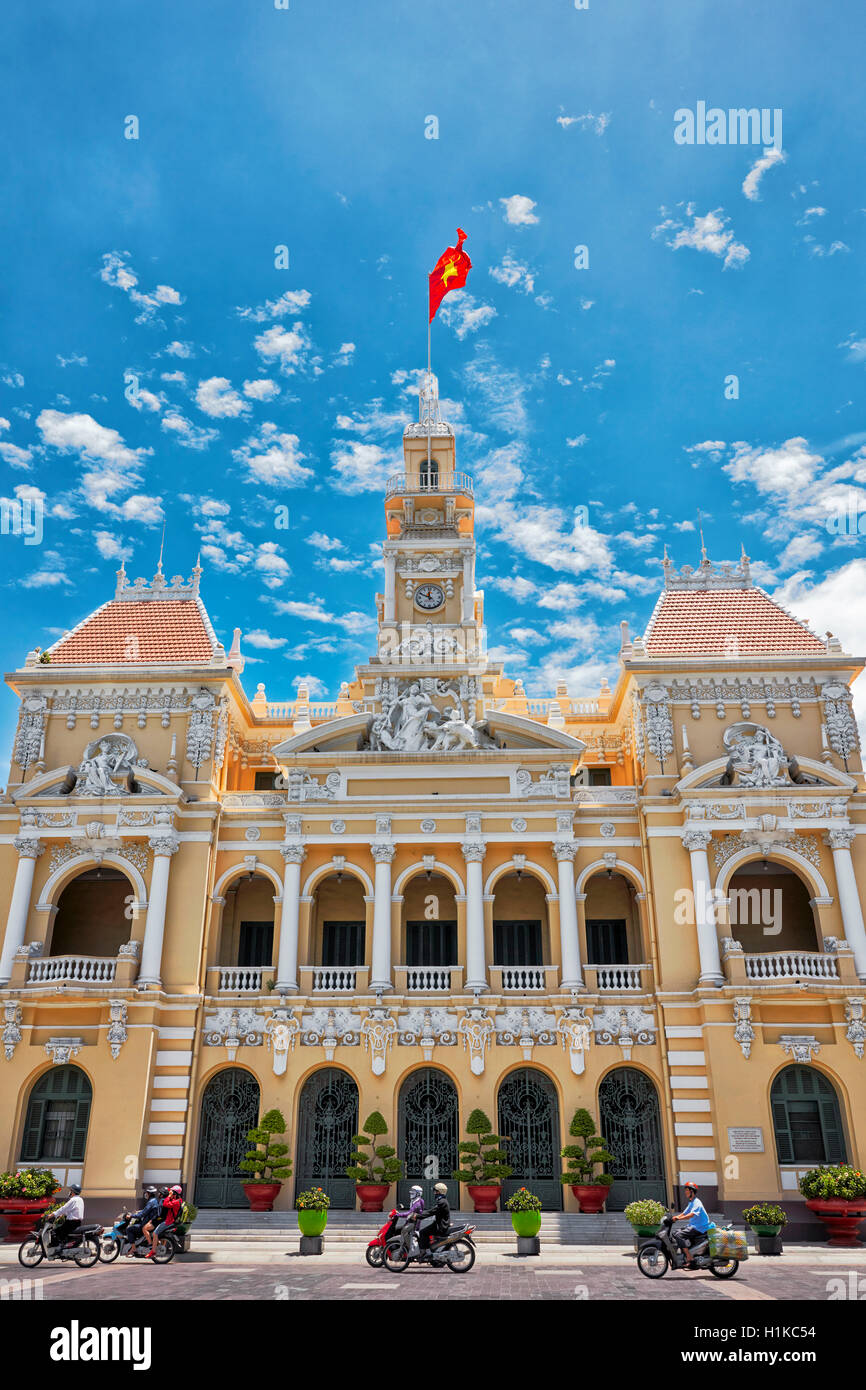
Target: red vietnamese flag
449,274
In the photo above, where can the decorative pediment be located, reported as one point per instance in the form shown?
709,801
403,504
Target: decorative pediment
445,734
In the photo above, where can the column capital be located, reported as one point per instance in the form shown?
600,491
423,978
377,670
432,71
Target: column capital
473,851
165,845
28,846
293,854
564,850
383,854
696,839
842,838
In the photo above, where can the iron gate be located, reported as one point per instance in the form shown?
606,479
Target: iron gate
529,1117
629,1120
327,1119
229,1107
427,1134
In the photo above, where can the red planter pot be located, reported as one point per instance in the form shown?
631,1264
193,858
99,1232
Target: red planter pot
21,1213
485,1196
842,1216
261,1195
372,1195
592,1197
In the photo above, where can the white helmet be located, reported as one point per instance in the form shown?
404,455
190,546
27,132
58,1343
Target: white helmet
415,1191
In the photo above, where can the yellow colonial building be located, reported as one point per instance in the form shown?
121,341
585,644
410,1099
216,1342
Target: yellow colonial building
436,892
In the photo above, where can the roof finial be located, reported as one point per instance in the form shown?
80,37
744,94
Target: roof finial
161,548
704,556
121,578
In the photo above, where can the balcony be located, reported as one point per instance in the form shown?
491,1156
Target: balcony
238,979
428,979
523,979
778,967
428,484
333,979
618,979
35,971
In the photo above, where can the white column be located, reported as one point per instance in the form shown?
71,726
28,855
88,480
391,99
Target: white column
390,588
572,978
29,850
476,965
840,842
381,973
696,842
468,586
287,961
163,846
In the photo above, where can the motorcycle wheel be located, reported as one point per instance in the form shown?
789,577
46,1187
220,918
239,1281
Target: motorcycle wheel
724,1269
164,1252
652,1262
109,1250
396,1257
87,1253
30,1253
461,1257
374,1255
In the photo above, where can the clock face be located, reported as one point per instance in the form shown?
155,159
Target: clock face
429,596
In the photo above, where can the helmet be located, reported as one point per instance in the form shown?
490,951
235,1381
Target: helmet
75,1188
415,1191
440,1187
150,1192
691,1187
178,1191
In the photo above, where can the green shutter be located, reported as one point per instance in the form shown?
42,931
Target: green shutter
782,1128
32,1141
79,1131
831,1125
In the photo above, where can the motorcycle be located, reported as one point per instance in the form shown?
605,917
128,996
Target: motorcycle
117,1241
375,1252
661,1253
456,1250
45,1243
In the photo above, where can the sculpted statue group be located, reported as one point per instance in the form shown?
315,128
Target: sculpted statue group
757,758
413,723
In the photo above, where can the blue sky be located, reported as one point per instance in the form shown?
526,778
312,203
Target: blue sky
261,388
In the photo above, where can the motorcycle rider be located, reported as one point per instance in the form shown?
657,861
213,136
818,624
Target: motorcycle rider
699,1223
148,1213
69,1217
171,1205
435,1222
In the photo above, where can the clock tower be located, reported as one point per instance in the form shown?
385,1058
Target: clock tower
430,612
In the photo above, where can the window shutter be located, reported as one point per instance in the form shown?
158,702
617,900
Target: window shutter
32,1141
79,1132
782,1128
834,1143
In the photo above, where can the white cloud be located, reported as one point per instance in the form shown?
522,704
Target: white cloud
577,442
463,313
117,273
514,274
73,361
273,458
16,457
788,469
353,622
597,124
143,399
358,467
519,210
263,389
323,542
115,467
286,348
758,169
709,233
258,638
343,357
292,302
273,566
109,547
833,604
189,435
178,349
51,574
217,397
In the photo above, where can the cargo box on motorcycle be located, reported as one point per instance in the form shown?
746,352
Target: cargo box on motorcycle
727,1245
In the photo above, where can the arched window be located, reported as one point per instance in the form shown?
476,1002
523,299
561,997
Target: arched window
430,474
57,1117
806,1118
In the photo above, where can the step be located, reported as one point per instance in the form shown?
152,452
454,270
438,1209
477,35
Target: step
226,1228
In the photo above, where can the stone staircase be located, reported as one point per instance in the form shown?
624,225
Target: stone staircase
224,1229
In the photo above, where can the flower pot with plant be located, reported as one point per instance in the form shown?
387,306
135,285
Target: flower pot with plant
268,1162
645,1216
373,1172
312,1207
484,1167
766,1220
590,1188
23,1197
525,1210
837,1193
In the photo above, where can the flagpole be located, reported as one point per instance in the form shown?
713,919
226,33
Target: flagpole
429,388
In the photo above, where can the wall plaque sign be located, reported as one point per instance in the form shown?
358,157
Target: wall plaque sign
745,1139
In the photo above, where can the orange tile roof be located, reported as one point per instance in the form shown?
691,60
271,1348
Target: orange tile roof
124,633
726,622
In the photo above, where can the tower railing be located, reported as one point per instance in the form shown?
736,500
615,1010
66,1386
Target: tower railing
431,482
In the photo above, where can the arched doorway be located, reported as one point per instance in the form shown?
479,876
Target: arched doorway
769,909
529,1118
806,1119
58,1114
93,914
521,934
229,1107
327,1119
247,925
630,1122
427,1134
612,916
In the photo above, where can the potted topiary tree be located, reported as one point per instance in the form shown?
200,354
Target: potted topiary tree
766,1220
645,1216
589,1188
837,1193
23,1197
372,1178
266,1161
484,1167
